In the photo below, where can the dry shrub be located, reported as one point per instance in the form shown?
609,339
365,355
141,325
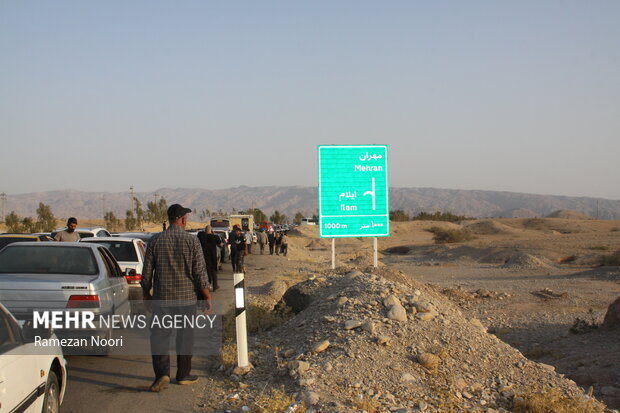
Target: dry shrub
553,401
276,401
366,403
446,236
609,260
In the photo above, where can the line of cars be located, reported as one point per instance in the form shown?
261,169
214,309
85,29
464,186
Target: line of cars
95,274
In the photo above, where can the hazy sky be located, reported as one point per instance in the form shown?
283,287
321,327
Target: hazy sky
517,96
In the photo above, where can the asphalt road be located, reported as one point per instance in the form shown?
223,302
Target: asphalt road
120,383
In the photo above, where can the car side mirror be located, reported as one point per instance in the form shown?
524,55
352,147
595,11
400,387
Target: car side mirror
30,332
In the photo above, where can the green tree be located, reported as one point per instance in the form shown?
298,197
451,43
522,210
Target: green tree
111,222
399,215
278,218
157,212
139,213
258,215
130,221
29,225
13,223
45,218
298,217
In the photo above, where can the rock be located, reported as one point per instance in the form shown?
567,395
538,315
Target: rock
429,361
369,326
354,273
405,378
328,366
422,306
397,312
310,398
475,322
390,301
460,384
612,317
242,371
300,295
329,319
321,346
426,316
546,366
417,292
299,366
351,324
341,301
288,352
245,409
274,289
383,340
422,405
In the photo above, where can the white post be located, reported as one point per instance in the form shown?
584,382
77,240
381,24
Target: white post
240,321
333,253
376,258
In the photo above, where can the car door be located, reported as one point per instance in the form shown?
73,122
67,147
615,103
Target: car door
21,384
120,288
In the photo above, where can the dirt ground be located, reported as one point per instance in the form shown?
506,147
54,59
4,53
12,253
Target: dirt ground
529,281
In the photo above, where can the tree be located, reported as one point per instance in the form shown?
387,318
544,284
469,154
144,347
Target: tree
13,223
45,218
157,212
258,215
29,225
130,221
111,222
298,217
399,215
139,212
204,214
278,218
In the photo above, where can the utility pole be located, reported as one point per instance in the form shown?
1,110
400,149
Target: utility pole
597,209
3,200
103,205
155,197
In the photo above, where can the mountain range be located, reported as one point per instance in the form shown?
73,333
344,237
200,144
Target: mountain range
292,199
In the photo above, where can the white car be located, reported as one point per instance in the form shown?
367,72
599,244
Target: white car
32,378
129,253
86,232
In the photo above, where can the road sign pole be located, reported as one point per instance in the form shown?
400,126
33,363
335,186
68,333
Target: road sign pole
240,321
333,253
375,258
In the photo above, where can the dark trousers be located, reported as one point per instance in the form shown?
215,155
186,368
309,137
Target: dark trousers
271,248
212,273
284,249
160,341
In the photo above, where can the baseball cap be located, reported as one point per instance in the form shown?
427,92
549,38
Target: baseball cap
176,211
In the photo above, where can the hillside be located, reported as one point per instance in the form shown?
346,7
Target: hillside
291,199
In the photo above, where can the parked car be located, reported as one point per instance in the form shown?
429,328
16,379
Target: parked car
129,253
32,379
144,236
63,276
6,239
86,232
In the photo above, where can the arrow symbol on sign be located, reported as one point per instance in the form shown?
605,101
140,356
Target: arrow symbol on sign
372,194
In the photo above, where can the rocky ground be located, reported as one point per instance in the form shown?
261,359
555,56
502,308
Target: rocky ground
479,327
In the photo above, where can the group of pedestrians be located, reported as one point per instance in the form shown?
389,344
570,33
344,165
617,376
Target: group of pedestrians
276,240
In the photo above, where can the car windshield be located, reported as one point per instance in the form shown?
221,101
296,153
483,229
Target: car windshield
122,250
31,259
4,241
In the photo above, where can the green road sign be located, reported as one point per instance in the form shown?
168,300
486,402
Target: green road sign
353,191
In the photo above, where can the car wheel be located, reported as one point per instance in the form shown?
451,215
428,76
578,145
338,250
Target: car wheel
51,402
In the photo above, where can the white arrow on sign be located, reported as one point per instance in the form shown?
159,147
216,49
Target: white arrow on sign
372,194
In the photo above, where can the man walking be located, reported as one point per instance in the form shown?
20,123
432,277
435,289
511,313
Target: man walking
271,237
210,243
69,234
238,249
262,240
174,268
